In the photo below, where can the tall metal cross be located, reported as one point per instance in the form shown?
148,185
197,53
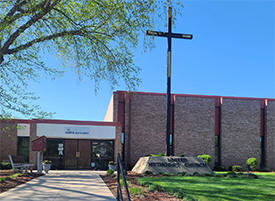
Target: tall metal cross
169,35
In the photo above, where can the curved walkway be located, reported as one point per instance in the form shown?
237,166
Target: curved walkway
62,185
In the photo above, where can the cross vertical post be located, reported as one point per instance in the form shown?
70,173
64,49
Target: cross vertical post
168,95
169,35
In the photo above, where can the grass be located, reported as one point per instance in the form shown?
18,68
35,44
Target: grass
12,176
136,191
215,188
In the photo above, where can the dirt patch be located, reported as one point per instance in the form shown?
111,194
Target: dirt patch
11,183
147,196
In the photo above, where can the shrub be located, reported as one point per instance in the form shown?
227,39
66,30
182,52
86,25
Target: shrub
196,174
237,168
5,165
110,172
251,164
157,155
181,155
206,158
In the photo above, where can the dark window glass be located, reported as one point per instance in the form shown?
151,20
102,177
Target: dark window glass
52,153
23,147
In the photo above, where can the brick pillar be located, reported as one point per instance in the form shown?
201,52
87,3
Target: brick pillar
33,136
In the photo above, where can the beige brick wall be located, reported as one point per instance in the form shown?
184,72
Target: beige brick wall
194,127
270,135
240,131
147,125
8,140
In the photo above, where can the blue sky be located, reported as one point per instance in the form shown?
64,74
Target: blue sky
231,54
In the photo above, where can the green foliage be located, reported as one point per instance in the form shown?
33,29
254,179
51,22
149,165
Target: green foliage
143,183
110,172
5,165
136,191
181,155
196,174
237,168
222,187
12,176
157,155
166,174
252,164
181,173
154,187
179,194
94,38
206,158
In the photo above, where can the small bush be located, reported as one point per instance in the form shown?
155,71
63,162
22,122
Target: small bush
196,174
237,168
110,172
5,165
206,158
181,155
252,164
157,155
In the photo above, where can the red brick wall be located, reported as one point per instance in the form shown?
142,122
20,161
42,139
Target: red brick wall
194,131
8,140
146,126
240,131
270,135
33,133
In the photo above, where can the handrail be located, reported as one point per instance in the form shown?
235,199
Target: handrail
120,170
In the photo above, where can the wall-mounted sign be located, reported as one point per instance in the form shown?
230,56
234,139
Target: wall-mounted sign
77,131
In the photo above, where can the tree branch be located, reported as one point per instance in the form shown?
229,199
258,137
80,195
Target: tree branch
50,37
25,26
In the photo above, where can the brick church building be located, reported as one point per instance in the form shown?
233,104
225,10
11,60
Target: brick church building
229,129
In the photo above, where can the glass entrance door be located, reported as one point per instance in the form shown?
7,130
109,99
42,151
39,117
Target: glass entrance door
102,152
54,153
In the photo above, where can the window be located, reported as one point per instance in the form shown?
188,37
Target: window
23,147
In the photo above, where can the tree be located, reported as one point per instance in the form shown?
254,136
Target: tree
95,37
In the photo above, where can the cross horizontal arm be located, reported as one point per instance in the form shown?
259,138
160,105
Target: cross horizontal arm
172,35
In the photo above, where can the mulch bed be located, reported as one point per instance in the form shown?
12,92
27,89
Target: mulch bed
11,183
148,196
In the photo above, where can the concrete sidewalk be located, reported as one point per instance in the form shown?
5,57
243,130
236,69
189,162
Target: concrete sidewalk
62,185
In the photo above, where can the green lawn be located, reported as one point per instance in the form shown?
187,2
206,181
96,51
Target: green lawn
215,188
